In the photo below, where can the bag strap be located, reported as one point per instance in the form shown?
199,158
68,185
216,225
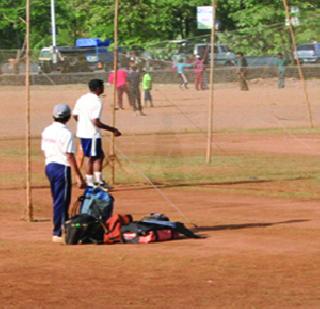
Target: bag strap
176,226
75,208
180,227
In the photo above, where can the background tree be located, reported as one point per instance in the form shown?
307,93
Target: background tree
252,26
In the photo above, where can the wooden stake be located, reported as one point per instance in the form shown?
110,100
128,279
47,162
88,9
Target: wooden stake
29,207
211,97
115,69
301,75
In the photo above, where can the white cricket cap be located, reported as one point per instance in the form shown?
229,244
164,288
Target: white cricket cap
61,111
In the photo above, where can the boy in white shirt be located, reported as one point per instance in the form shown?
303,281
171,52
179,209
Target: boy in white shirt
87,113
58,146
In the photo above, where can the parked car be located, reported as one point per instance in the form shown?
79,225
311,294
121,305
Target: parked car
308,53
88,55
222,54
63,58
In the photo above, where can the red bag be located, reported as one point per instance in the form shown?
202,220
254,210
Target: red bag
151,236
113,226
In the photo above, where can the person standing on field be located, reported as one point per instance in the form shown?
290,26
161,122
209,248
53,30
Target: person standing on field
87,113
121,85
147,87
198,71
242,70
58,146
281,65
180,66
134,90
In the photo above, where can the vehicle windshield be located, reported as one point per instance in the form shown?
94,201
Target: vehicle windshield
45,54
201,49
306,47
224,48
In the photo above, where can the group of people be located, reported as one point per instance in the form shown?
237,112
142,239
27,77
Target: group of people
199,69
241,70
59,149
128,82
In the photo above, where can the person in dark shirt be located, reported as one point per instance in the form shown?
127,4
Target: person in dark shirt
134,81
242,66
281,65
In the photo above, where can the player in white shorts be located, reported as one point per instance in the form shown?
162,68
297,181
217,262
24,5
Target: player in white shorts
87,113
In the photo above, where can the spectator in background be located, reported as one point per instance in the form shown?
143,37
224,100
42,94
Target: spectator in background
281,65
134,90
242,66
133,58
180,66
198,71
121,85
147,87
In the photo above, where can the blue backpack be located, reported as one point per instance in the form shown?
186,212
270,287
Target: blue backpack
97,203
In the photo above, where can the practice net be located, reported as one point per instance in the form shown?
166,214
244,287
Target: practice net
167,146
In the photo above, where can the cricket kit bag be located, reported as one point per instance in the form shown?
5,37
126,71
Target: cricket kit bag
84,229
155,227
113,228
155,216
95,202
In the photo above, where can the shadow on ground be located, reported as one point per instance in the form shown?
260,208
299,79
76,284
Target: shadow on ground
244,225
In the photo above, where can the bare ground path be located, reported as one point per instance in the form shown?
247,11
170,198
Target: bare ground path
259,253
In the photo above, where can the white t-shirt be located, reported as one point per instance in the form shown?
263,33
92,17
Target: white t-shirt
56,142
87,108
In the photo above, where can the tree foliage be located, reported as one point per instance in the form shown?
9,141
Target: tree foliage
252,26
258,26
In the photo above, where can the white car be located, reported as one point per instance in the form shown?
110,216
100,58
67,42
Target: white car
222,54
308,53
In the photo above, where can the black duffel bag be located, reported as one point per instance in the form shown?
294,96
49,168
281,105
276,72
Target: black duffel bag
84,229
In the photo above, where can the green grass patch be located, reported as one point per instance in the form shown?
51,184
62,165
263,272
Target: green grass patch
294,176
276,131
293,171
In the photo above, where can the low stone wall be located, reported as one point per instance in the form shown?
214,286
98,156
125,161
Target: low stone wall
222,75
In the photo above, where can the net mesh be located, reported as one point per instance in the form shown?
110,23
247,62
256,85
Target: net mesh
168,144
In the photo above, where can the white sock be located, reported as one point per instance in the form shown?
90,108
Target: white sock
89,180
98,177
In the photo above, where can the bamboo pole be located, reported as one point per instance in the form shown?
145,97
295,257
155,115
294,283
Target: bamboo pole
301,75
115,69
211,97
29,206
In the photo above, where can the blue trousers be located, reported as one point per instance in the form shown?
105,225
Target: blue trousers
60,182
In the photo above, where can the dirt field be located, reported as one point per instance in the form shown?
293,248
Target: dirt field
264,106
260,250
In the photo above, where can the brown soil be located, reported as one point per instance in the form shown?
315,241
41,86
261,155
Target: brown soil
176,110
259,252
